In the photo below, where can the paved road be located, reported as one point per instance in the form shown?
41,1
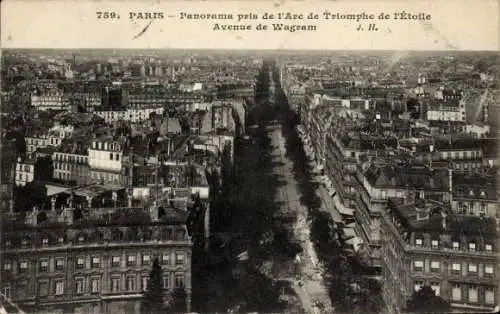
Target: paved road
289,196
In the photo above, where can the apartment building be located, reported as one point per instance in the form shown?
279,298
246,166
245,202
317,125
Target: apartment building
105,160
25,171
71,163
52,100
425,244
475,194
377,181
94,263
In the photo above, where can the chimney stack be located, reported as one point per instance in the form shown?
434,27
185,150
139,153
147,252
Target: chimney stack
69,215
443,219
450,183
53,204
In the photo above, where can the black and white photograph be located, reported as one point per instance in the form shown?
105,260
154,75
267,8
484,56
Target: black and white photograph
303,181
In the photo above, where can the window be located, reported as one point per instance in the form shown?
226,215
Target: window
166,283
455,268
488,270
472,268
145,259
418,285
59,263
435,244
79,285
80,263
60,240
489,296
44,265
144,283
472,294
436,287
130,283
418,266
59,287
456,245
115,261
24,243
7,266
179,258
165,259
435,266
23,266
179,280
43,288
472,246
456,293
117,157
418,242
22,289
95,285
45,241
96,262
488,248
115,284
110,156
131,260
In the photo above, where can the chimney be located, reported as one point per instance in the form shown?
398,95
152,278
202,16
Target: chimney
443,219
450,183
69,215
53,204
153,211
34,216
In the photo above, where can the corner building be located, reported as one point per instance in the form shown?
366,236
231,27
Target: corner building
99,263
455,255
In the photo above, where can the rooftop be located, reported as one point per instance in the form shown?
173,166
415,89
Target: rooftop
428,216
407,176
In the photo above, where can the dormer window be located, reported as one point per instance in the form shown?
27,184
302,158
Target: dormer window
488,248
483,194
24,243
81,238
419,242
45,241
472,246
471,193
456,245
60,240
8,243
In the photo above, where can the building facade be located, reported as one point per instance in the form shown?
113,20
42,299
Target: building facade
71,167
453,254
102,267
105,161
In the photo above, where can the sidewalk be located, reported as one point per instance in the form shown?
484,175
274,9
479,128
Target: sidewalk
328,204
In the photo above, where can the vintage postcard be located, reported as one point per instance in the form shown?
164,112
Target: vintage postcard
298,156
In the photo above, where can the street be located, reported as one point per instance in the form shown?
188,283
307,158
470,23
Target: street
309,271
